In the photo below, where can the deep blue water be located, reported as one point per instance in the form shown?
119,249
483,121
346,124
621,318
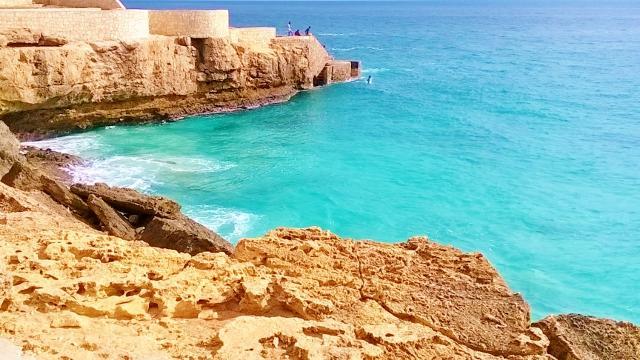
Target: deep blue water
510,128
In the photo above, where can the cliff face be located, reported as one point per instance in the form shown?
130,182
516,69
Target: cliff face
57,86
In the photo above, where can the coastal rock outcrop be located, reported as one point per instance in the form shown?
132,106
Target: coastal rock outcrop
579,337
50,89
68,290
158,220
129,200
293,293
9,149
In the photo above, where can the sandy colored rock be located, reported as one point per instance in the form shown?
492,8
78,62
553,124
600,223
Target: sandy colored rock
23,176
114,223
60,193
294,293
67,320
184,235
9,149
51,89
579,337
129,200
53,163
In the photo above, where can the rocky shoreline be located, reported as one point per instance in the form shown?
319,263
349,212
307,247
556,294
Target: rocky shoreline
81,262
48,88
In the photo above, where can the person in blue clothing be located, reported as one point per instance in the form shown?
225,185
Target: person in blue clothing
308,31
289,31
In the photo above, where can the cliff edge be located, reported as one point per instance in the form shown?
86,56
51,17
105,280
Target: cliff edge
53,85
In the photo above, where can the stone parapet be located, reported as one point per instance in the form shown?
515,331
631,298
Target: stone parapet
192,23
100,4
79,24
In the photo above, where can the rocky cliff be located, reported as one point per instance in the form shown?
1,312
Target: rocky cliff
70,291
50,85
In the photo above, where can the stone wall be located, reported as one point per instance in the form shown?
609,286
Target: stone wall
14,3
101,4
259,36
341,70
193,23
80,24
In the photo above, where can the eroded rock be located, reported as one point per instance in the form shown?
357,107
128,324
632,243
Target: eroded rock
114,223
129,200
579,337
184,235
59,192
294,293
9,149
23,176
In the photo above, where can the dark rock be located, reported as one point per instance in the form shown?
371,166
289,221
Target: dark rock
23,176
46,40
9,149
134,219
184,235
579,337
53,163
114,223
129,200
60,193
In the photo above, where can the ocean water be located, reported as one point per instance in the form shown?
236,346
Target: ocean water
510,128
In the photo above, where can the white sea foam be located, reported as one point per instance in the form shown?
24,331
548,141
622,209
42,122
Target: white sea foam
72,144
374,70
358,48
230,223
141,172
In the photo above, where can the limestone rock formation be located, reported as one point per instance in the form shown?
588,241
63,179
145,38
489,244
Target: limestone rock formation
129,200
579,337
159,220
184,235
114,223
68,290
49,89
9,149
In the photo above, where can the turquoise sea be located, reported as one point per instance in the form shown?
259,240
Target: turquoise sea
506,127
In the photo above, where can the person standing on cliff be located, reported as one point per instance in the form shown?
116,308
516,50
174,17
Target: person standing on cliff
289,31
308,31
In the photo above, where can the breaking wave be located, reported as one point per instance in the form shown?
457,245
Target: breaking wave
229,223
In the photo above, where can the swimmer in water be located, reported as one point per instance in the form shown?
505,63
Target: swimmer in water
369,80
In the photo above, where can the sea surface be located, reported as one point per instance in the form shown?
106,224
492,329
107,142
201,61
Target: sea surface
506,127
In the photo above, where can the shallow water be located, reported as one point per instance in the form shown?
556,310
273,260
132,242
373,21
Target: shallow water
507,128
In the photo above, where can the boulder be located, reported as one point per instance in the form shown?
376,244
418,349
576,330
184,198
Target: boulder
184,235
9,149
64,196
23,176
579,337
114,223
129,200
